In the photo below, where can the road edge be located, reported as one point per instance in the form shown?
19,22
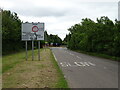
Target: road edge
59,70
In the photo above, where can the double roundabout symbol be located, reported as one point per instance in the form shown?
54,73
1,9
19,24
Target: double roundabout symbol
35,29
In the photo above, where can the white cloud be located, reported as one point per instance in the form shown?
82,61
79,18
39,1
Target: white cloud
59,15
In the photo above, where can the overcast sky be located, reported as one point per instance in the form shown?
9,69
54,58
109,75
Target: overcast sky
59,15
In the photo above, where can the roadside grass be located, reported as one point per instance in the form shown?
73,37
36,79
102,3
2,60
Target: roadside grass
0,72
0,65
9,61
19,73
100,55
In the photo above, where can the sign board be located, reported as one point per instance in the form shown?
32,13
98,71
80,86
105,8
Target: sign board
32,31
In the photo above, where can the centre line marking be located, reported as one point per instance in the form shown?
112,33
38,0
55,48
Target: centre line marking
79,57
71,54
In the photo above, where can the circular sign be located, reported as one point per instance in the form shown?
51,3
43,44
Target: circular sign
35,29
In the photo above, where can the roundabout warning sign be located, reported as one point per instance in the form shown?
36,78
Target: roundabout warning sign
35,29
32,31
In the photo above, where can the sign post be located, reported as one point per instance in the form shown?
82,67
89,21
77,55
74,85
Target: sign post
38,50
31,32
32,50
26,50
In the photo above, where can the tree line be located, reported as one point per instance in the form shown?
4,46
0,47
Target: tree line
11,34
52,38
102,36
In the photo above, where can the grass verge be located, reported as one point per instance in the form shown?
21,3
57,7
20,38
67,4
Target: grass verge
9,61
19,73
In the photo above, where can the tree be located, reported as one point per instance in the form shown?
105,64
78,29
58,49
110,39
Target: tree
102,36
11,32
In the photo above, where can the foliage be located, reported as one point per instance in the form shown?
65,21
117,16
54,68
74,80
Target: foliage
52,38
11,34
102,36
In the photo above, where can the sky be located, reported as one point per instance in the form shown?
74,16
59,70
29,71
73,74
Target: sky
60,15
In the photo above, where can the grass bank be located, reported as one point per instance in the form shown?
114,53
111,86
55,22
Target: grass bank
19,73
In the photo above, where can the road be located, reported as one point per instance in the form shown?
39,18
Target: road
84,71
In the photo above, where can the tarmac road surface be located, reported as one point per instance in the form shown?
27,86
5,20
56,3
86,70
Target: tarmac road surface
84,71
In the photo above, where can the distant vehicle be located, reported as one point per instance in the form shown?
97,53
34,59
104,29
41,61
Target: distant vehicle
56,44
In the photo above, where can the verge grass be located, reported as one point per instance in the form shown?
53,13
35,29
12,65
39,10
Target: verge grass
19,73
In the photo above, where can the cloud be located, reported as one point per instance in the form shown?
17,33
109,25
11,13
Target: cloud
59,15
42,12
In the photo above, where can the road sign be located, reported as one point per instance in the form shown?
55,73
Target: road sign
35,29
32,31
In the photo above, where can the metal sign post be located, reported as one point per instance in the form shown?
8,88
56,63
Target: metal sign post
38,50
32,50
31,32
26,50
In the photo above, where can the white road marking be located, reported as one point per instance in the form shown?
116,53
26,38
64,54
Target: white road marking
76,64
54,57
66,51
64,64
79,57
91,64
64,76
71,54
69,64
86,63
82,63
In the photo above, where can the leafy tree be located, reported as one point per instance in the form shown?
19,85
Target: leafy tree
11,32
102,36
